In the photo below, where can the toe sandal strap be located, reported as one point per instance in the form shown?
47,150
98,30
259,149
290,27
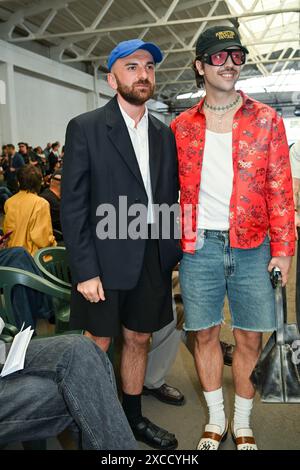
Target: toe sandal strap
245,440
212,435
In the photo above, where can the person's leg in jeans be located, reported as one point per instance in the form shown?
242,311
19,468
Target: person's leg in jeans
67,380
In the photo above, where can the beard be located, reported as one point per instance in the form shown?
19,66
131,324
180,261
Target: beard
133,95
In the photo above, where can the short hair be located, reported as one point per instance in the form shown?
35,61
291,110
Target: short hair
23,143
30,178
55,144
11,146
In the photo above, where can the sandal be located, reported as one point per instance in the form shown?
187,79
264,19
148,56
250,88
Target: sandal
212,437
243,439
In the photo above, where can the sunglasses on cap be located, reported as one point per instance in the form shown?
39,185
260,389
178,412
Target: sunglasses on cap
217,59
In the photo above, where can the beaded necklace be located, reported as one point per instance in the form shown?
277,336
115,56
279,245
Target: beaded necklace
221,120
220,110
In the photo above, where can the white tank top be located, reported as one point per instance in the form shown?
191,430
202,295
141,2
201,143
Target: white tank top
216,182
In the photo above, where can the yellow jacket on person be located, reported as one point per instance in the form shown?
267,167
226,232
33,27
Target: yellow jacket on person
27,215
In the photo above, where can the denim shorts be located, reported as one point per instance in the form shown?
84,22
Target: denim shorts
216,269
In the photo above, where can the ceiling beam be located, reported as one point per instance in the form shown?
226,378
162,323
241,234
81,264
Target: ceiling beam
17,18
170,10
101,14
158,24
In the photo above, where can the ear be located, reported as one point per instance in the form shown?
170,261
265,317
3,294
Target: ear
111,80
199,67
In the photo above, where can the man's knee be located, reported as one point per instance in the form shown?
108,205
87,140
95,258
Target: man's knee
102,342
207,337
249,341
85,350
136,339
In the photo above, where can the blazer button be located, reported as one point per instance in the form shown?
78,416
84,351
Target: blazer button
137,200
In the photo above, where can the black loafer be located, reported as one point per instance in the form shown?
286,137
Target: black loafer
227,350
166,394
153,435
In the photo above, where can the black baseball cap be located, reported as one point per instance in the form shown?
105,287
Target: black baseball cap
216,38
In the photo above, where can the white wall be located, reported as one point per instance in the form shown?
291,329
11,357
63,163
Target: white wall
43,95
44,108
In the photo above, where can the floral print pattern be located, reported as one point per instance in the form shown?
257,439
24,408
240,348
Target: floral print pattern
262,195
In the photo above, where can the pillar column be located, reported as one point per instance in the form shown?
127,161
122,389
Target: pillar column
8,105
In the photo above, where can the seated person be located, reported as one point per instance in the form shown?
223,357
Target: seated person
27,215
4,195
11,165
52,195
67,382
28,304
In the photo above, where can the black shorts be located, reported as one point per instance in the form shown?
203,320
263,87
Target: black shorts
145,308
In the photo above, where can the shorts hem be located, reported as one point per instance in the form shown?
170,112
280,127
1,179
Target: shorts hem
256,330
204,327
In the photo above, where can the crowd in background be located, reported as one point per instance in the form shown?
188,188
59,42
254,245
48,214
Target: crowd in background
48,161
30,195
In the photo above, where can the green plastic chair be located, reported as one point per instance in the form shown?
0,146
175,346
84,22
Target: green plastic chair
11,277
53,263
8,333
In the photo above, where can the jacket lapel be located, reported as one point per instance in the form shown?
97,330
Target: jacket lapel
155,146
120,139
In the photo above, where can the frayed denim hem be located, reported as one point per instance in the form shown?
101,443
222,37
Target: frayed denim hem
254,330
222,321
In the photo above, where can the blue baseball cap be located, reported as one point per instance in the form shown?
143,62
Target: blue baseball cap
125,48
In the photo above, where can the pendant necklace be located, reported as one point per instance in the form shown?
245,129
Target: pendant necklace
220,111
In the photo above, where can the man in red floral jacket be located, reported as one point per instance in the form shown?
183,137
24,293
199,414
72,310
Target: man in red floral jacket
237,224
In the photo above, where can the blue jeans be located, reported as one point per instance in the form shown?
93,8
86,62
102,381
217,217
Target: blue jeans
215,270
67,381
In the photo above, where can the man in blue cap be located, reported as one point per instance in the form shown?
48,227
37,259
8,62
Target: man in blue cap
122,281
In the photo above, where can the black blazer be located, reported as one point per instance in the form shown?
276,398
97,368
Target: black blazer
99,166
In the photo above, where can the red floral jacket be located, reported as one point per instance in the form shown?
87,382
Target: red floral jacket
262,194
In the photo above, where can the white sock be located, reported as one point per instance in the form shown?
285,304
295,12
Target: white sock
215,403
242,411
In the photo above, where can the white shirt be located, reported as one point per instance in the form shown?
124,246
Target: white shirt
140,142
216,182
